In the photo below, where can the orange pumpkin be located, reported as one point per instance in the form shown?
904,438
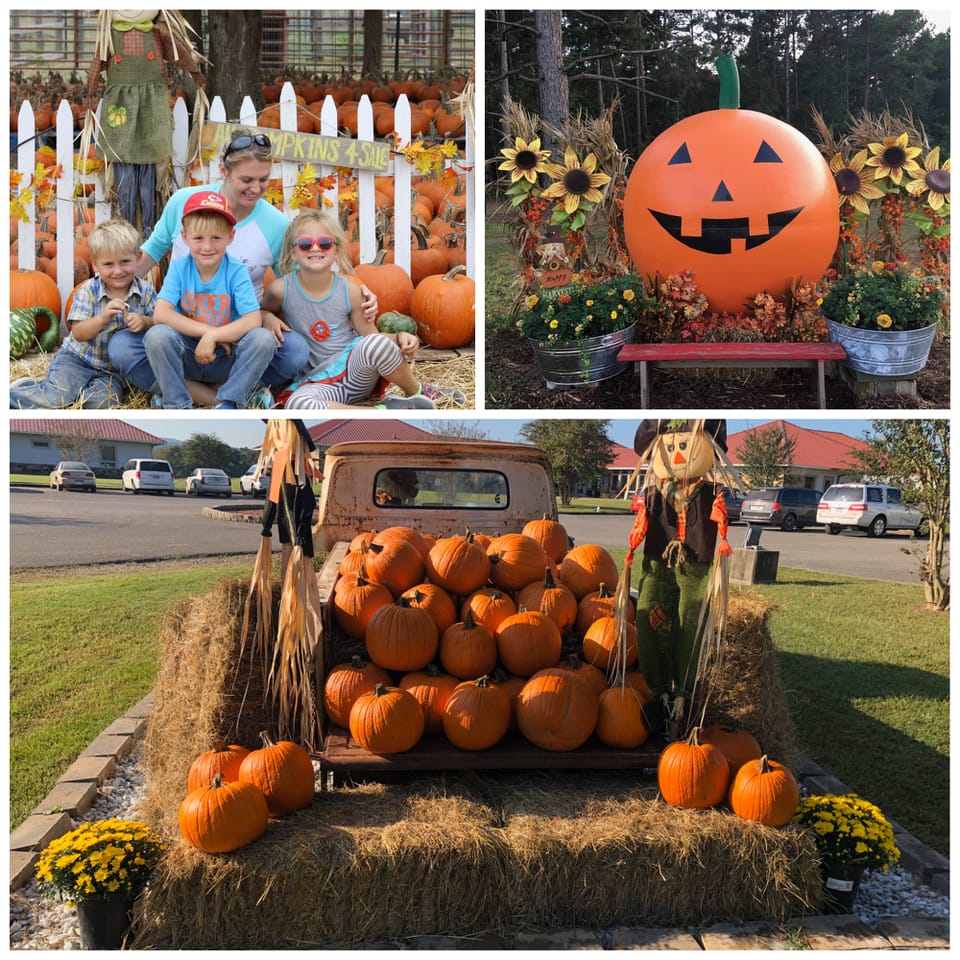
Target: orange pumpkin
765,791
222,758
402,637
458,565
431,689
347,681
557,710
386,720
489,606
477,715
468,650
620,721
33,288
436,601
742,199
283,772
585,567
550,534
692,774
528,641
223,817
443,307
738,745
391,284
601,641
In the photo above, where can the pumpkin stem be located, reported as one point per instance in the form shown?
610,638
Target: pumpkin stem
217,781
729,81
380,689
548,582
763,764
357,662
266,739
468,622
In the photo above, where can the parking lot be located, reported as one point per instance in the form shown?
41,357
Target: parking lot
48,529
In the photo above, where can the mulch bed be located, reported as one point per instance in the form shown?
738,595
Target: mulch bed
513,383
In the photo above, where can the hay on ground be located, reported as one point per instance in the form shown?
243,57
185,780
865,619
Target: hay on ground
455,854
456,371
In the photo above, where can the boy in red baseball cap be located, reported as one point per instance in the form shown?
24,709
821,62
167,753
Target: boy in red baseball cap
207,319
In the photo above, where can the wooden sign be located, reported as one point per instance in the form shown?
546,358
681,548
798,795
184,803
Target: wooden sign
305,147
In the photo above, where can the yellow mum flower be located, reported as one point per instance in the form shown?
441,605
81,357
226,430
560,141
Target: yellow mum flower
884,321
629,295
532,301
554,324
613,314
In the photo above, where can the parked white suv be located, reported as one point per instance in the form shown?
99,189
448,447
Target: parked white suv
149,476
873,507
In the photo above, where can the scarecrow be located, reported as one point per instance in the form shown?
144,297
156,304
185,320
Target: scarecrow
135,51
294,655
680,512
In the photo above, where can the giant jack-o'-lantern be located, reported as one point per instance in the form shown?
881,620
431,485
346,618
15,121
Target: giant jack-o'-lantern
741,198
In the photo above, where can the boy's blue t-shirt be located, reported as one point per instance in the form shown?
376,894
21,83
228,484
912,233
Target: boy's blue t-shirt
226,297
257,241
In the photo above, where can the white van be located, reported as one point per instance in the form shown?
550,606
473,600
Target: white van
873,507
149,476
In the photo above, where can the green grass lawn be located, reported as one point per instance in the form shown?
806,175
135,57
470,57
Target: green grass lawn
865,669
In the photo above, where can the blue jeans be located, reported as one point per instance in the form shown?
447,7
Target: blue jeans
171,357
128,356
68,380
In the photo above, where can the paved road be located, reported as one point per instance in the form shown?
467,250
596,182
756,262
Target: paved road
49,529
856,554
65,529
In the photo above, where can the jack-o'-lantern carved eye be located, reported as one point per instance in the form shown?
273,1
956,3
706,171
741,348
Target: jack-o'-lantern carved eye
766,154
681,156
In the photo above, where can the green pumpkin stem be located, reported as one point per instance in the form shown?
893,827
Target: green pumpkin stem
729,81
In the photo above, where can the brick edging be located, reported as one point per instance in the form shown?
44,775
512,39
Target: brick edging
75,791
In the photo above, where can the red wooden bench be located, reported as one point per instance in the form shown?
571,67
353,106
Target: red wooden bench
812,355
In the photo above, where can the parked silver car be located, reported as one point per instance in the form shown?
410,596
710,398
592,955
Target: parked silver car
208,482
73,475
872,507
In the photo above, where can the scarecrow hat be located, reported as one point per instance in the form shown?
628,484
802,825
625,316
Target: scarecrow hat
648,431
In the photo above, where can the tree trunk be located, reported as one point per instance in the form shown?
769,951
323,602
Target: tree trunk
372,43
234,71
936,589
554,99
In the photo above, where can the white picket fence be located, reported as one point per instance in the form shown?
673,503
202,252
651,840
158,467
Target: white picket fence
401,171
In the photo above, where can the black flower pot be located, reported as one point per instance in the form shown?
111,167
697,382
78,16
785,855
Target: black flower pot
841,883
104,921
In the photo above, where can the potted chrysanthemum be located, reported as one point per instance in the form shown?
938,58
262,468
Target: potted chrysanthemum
577,331
101,866
852,836
885,318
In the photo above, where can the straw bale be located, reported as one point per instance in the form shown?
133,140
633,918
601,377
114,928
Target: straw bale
745,684
199,694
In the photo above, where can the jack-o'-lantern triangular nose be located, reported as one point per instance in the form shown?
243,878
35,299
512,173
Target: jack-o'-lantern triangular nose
678,458
722,193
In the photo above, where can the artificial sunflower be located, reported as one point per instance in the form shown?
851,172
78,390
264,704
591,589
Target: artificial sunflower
934,180
576,181
893,158
524,160
853,182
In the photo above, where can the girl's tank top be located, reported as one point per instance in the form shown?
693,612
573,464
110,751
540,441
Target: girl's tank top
325,323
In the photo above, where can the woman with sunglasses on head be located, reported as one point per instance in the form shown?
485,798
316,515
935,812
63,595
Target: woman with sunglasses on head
348,356
245,169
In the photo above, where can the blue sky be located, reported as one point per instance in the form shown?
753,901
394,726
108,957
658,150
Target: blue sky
248,431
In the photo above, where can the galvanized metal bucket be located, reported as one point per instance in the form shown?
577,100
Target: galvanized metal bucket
579,364
884,353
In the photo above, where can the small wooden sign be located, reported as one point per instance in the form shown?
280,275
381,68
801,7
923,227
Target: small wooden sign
306,147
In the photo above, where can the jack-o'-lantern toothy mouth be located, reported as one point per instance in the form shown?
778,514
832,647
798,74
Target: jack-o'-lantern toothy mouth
717,234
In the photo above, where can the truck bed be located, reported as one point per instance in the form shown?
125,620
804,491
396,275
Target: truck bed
341,754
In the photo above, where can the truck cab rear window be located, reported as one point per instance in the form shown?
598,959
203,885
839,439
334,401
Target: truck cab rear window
441,489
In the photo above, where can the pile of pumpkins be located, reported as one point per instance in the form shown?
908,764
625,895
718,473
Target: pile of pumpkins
721,763
233,792
470,636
